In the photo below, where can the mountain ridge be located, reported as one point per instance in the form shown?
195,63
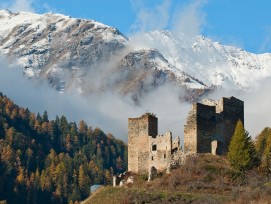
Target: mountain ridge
69,51
209,61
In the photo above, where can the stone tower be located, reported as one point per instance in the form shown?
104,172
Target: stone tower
148,151
229,111
199,129
139,131
210,126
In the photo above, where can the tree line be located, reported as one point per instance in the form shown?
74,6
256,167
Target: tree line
53,161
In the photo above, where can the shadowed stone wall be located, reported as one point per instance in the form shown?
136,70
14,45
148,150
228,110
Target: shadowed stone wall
206,124
212,121
229,111
199,129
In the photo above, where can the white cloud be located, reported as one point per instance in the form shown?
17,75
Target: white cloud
110,112
23,5
150,19
19,5
106,110
183,18
266,44
190,18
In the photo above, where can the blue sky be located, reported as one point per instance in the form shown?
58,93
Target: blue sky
242,23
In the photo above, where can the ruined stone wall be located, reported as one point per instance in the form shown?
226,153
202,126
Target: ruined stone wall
139,131
160,151
212,121
229,111
146,149
199,129
133,133
190,131
206,125
176,144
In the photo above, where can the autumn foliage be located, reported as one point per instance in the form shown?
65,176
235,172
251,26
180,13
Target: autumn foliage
53,161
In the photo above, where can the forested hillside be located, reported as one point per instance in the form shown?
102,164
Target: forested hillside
53,161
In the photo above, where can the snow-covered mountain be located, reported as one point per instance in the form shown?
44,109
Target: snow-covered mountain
91,56
79,52
209,61
46,45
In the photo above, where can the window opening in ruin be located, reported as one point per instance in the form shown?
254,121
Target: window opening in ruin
164,156
152,158
154,147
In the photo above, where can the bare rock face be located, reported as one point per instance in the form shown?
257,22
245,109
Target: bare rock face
142,70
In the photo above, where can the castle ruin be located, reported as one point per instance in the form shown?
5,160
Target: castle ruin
147,149
210,125
208,129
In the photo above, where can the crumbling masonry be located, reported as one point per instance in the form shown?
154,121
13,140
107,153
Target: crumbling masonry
210,126
208,129
147,149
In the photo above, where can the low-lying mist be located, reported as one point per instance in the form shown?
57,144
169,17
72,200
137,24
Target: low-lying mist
106,110
110,111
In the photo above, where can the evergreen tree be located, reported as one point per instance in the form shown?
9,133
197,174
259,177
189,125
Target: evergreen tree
242,154
43,161
39,118
45,117
263,147
83,181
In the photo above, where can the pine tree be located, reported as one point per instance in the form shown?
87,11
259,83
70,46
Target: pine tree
263,147
21,176
242,154
75,194
83,128
83,181
10,136
108,177
68,143
45,117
